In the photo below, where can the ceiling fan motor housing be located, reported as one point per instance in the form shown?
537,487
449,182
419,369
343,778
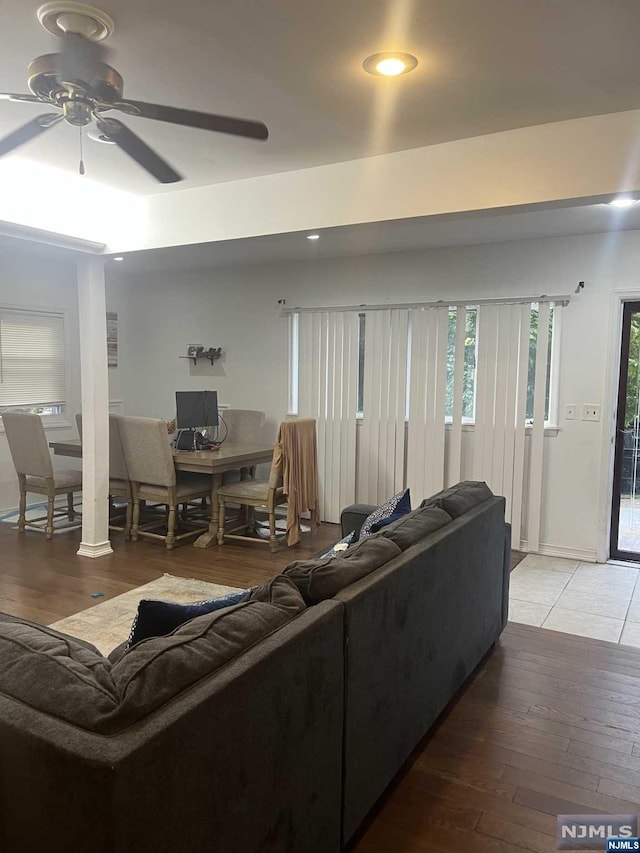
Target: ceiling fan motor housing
43,79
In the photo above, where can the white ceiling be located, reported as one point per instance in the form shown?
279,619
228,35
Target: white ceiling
391,236
484,67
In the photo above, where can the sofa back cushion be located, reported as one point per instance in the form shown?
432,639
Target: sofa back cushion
58,675
65,679
320,579
460,498
416,525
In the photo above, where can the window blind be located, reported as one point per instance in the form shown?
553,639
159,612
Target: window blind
381,460
32,358
328,347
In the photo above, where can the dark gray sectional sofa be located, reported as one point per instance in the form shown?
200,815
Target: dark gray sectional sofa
283,746
415,629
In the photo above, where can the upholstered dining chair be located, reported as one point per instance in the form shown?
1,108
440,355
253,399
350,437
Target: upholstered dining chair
153,477
119,482
32,460
244,426
293,480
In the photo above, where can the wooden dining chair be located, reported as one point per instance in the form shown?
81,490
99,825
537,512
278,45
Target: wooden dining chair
32,460
153,477
293,480
244,426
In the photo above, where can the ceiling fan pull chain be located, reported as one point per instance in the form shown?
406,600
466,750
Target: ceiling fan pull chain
81,164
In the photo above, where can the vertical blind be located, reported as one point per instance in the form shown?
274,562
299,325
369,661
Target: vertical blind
381,436
327,387
32,358
415,373
426,430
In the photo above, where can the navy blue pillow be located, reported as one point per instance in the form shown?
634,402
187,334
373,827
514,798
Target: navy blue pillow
157,618
392,510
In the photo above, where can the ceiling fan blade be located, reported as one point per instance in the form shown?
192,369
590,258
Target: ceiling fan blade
138,150
191,118
78,60
9,96
28,131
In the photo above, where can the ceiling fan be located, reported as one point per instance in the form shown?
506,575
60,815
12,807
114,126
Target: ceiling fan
85,89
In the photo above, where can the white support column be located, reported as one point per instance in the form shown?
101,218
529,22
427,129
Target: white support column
95,409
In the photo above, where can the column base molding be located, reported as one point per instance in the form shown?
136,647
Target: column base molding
100,549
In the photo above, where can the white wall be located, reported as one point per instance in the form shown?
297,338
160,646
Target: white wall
237,309
160,314
34,281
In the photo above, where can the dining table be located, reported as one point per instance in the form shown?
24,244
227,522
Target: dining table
215,462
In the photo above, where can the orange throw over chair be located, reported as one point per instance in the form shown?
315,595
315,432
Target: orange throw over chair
293,480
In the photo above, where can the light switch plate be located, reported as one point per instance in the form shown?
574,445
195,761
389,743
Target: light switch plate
570,412
590,412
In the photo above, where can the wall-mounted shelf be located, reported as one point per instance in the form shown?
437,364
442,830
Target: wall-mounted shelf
196,352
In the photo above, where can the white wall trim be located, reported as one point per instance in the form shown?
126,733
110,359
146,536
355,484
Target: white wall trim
99,549
585,555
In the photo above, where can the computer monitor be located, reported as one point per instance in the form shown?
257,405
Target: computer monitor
196,409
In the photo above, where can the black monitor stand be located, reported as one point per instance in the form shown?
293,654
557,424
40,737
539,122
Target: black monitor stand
186,439
192,439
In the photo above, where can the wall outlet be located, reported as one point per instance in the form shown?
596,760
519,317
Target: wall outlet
590,412
570,412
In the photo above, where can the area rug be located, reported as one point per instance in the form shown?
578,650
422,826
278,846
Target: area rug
108,624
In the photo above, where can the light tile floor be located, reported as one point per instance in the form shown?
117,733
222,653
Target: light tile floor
587,599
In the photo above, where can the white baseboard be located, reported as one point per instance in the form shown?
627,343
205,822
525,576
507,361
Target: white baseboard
585,555
100,549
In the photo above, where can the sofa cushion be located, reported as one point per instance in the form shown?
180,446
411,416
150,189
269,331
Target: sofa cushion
320,579
460,498
66,680
390,510
157,618
156,670
416,525
58,675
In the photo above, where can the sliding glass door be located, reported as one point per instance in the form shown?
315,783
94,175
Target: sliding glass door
625,514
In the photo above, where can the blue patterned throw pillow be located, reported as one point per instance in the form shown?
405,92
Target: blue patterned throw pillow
392,510
340,547
158,618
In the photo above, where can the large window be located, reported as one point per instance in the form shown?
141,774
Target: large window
469,373
531,376
470,359
32,361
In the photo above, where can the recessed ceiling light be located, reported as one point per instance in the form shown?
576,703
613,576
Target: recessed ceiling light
389,64
313,236
120,258
623,202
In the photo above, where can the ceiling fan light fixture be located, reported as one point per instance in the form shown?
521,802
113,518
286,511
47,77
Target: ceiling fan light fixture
390,64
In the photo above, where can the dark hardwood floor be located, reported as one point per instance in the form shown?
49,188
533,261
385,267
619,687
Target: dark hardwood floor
549,723
45,581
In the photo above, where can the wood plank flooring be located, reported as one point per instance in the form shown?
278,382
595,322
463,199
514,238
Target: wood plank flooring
549,723
46,581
